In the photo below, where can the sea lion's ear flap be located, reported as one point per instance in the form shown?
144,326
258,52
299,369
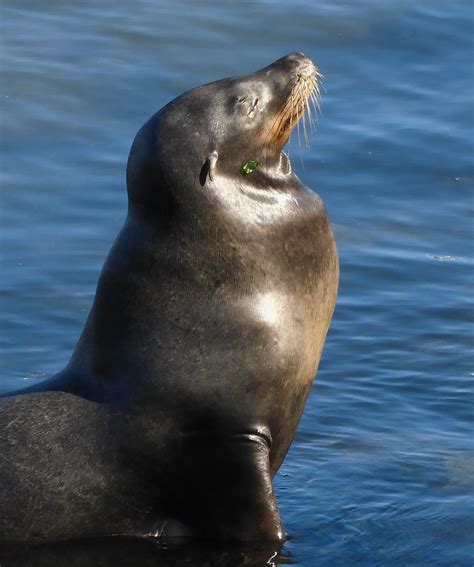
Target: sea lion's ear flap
208,168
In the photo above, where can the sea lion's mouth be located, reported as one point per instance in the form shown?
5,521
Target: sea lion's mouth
302,100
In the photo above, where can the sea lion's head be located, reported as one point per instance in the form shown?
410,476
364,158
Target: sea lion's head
232,127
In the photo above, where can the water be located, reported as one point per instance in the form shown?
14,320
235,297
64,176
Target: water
382,469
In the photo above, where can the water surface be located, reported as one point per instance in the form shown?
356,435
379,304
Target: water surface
382,469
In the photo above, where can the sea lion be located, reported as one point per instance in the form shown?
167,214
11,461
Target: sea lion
185,389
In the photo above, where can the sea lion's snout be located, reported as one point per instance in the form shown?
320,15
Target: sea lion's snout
296,81
294,64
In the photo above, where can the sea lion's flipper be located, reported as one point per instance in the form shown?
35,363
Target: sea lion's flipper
229,493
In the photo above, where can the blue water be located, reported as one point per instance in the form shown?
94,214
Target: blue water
382,468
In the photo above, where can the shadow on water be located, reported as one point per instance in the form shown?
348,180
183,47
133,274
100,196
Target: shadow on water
130,552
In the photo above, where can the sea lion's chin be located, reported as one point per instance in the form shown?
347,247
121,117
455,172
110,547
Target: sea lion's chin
256,167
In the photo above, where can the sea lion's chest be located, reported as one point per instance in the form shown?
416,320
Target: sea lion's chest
257,284
238,286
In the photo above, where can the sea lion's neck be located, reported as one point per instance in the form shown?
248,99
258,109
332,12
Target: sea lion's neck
180,275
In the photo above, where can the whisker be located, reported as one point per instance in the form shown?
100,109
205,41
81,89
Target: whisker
317,101
301,153
302,105
311,119
291,118
298,124
279,119
308,107
272,130
304,127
